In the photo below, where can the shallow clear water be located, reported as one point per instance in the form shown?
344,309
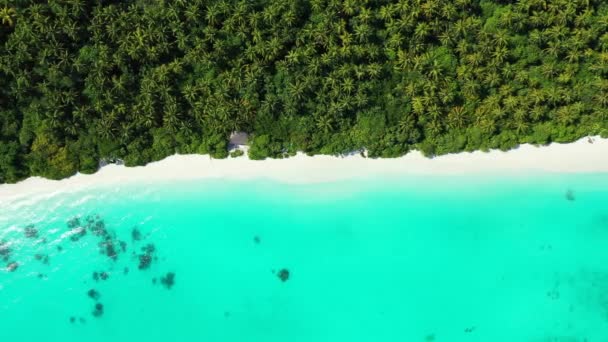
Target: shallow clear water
413,259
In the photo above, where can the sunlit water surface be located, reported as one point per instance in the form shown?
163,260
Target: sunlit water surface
412,259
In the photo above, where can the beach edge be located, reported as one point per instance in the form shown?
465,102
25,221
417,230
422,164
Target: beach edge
587,155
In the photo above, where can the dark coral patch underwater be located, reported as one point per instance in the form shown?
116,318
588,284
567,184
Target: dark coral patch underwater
168,280
85,229
30,232
283,274
98,311
93,294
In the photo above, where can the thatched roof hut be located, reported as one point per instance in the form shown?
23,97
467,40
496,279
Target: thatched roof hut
238,139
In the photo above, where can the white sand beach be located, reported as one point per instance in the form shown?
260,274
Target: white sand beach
579,156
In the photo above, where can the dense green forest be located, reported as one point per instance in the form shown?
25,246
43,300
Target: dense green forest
138,80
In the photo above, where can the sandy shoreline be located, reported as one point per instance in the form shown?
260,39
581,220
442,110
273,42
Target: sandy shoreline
576,157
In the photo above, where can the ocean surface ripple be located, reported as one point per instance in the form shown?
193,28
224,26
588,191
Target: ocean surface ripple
434,259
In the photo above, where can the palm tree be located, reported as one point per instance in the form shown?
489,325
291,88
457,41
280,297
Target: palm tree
566,96
487,125
446,38
325,123
553,95
293,57
537,96
521,126
435,70
289,18
170,119
373,70
522,76
362,32
422,30
191,12
508,71
601,114
537,113
54,118
456,117
446,95
553,49
434,127
501,38
296,90
6,15
511,102
106,128
189,92
72,127
78,7
406,123
493,79
274,46
500,54
573,56
418,105
475,59
566,115
361,99
348,85
212,15
601,98
463,4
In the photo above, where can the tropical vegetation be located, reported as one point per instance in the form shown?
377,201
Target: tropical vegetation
138,80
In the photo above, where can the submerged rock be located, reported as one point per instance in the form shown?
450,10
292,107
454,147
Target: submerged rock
30,232
93,294
95,276
168,280
72,319
144,261
149,248
98,311
43,258
125,270
74,223
5,250
12,266
104,275
111,251
99,228
553,294
283,274
570,195
78,233
257,240
135,234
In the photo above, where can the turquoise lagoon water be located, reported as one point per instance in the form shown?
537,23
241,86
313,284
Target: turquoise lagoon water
412,259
